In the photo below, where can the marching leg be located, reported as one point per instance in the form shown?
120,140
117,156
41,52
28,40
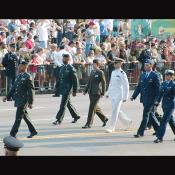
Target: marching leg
116,104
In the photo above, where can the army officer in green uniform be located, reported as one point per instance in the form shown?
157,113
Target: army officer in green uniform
67,82
22,93
96,89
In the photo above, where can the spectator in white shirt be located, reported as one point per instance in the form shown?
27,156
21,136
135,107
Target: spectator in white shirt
97,32
43,27
51,58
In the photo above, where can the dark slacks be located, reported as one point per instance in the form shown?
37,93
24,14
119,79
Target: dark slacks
66,102
94,109
21,113
167,118
148,113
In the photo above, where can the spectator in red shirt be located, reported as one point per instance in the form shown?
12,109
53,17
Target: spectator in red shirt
29,43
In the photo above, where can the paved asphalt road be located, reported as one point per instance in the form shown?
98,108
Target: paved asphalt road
71,139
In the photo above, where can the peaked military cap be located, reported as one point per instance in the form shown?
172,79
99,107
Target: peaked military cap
148,61
118,60
13,144
169,72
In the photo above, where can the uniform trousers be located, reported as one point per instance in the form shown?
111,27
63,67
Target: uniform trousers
94,109
22,113
167,118
66,102
117,114
148,113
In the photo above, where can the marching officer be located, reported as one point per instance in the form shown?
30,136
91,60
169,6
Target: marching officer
23,93
12,146
96,88
145,55
118,91
66,83
167,95
10,62
148,87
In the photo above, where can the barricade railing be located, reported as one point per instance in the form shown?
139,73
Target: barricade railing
44,76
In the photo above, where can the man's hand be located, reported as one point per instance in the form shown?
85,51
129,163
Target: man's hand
4,99
156,103
30,106
132,98
74,94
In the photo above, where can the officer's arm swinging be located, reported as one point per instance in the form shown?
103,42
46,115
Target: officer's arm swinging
74,81
137,90
30,91
103,81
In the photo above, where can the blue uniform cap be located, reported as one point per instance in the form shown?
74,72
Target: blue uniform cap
148,61
13,144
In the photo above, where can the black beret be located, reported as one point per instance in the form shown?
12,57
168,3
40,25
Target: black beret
13,46
23,62
13,144
66,55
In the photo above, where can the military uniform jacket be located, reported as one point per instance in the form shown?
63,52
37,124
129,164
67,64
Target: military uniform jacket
148,87
167,92
118,86
145,55
67,80
10,63
23,90
96,84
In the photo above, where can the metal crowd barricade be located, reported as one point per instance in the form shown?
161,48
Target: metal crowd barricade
46,72
132,70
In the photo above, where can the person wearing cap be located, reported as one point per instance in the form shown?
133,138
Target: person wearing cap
148,88
67,83
12,146
96,88
23,94
167,96
145,55
10,63
118,92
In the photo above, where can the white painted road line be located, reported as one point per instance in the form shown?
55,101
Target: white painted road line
14,109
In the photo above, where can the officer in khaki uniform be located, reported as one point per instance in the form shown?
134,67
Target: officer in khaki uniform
22,93
96,89
67,83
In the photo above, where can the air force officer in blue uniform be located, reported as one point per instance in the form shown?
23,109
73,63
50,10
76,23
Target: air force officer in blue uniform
167,95
148,87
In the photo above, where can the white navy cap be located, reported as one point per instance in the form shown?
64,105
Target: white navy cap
169,72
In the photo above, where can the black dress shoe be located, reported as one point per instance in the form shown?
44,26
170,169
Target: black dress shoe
57,122
158,140
104,123
75,119
154,133
137,135
32,134
86,126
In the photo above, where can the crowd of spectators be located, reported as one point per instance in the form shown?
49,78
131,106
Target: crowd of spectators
42,42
